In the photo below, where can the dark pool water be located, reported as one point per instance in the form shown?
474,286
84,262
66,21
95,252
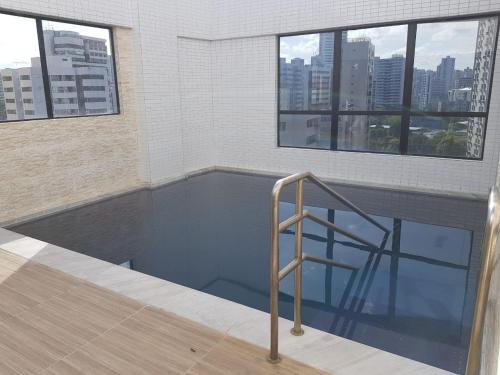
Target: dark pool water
415,297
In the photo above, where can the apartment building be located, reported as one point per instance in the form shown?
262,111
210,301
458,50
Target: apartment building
24,96
81,79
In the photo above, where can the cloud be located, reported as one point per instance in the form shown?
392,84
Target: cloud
438,40
434,41
19,40
300,46
388,40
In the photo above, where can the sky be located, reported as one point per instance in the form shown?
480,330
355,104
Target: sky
434,41
18,36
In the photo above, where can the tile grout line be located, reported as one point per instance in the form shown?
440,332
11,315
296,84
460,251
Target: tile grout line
51,298
78,348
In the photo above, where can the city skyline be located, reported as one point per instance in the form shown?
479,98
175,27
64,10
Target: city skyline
371,80
433,41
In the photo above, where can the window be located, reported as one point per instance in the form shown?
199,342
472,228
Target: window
17,63
75,42
312,131
69,80
94,88
410,89
61,78
95,100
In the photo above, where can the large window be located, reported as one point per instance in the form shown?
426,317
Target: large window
52,69
411,89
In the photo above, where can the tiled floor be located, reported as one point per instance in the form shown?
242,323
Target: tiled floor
53,323
321,350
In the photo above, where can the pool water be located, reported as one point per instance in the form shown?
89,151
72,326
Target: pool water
413,297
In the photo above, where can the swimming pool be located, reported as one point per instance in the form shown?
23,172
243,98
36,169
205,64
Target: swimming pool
414,298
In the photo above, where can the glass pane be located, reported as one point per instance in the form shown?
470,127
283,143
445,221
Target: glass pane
373,66
453,65
80,66
312,131
369,133
446,136
306,64
22,94
436,242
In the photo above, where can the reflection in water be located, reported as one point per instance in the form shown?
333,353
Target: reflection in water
414,296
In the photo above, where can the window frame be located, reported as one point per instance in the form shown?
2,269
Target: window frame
43,62
406,111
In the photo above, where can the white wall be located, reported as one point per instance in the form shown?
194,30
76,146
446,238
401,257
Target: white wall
244,81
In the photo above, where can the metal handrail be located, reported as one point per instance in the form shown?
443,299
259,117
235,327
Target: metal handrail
490,240
300,257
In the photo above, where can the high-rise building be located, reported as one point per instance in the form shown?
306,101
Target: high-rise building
326,47
356,74
483,66
24,95
320,75
441,84
421,88
81,79
305,131
294,84
388,82
464,78
460,99
355,89
320,86
80,73
3,114
446,72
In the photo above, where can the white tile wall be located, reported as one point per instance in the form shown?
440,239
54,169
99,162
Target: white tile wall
245,118
157,28
244,81
236,18
112,12
198,132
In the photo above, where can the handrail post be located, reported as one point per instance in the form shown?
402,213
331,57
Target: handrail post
296,263
273,354
297,301
489,248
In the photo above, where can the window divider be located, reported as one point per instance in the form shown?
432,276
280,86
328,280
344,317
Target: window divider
305,112
408,88
45,70
335,93
448,114
370,113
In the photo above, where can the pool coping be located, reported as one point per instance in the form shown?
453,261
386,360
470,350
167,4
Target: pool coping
316,348
241,171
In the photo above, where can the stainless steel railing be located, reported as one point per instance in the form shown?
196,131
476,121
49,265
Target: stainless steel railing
300,256
490,240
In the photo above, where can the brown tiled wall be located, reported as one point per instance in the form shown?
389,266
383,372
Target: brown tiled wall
50,164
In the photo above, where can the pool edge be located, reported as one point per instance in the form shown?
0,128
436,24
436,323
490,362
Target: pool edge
318,349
